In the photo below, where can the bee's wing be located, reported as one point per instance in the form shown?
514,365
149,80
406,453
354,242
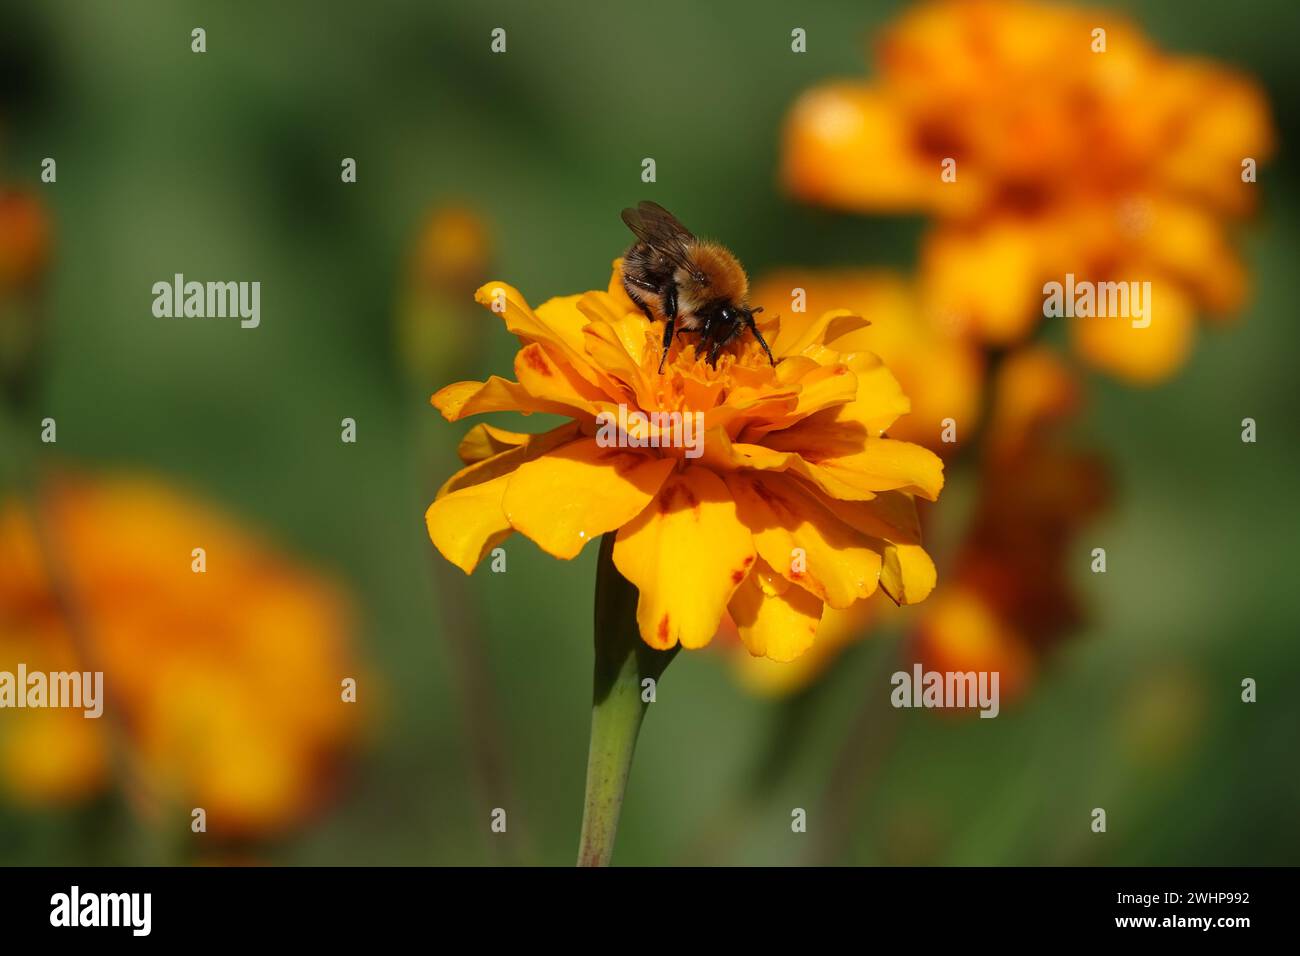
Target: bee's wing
660,230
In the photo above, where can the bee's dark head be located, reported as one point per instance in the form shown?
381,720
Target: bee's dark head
731,314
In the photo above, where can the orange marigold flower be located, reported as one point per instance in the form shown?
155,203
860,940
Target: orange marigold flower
1122,165
793,500
227,683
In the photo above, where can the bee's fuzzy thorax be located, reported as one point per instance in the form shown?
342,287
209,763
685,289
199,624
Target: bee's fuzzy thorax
727,279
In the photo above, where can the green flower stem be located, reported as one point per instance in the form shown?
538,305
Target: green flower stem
623,661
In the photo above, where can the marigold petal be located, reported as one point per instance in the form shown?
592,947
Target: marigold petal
777,626
801,331
507,461
827,386
890,516
577,492
557,382
466,519
908,574
802,540
484,440
461,399
608,348
686,552
881,464
466,524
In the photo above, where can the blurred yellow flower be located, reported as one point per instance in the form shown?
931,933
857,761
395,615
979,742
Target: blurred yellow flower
1122,164
792,500
227,683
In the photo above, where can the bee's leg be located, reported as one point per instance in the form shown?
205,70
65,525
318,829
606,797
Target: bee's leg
749,324
668,340
716,338
670,313
714,348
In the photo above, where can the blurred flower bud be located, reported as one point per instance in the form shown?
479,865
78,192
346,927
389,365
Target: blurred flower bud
438,320
24,256
24,241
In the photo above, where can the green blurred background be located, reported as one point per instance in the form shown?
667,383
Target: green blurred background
226,165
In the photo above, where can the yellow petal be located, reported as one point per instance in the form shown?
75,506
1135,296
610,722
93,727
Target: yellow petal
889,516
484,440
686,553
466,519
882,464
826,386
466,524
803,541
507,461
557,382
778,626
497,394
907,574
578,491
800,331
557,322
876,403
608,347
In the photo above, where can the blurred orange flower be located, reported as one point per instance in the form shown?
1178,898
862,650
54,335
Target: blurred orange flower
1009,596
1067,150
226,683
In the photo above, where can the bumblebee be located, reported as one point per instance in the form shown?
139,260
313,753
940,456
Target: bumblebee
692,284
